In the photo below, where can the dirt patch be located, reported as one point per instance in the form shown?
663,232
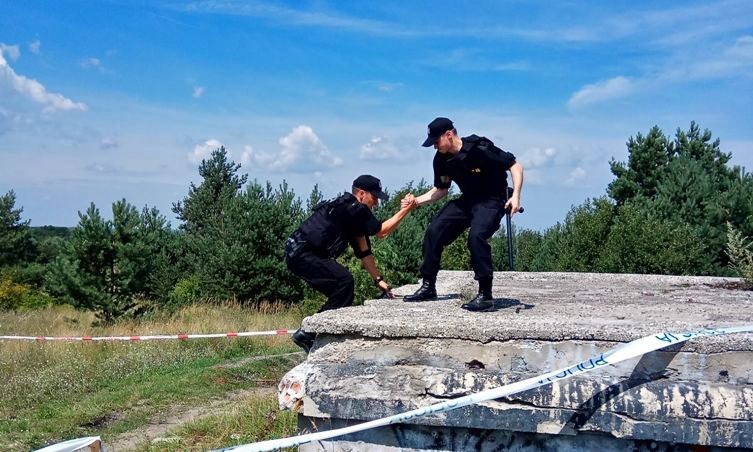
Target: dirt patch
293,357
103,421
177,416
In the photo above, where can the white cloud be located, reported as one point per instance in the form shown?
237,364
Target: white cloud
247,156
734,60
575,175
203,151
108,142
388,87
35,46
34,90
5,120
299,17
599,92
512,66
300,150
474,60
198,91
380,148
536,157
12,51
93,63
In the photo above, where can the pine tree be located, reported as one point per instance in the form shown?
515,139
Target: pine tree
107,265
208,202
16,244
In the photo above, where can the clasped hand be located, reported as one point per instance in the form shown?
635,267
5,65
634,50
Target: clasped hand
408,201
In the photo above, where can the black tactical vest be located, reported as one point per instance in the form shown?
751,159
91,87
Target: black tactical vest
323,230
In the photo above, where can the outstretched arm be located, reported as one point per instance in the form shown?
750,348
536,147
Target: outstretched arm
433,195
392,223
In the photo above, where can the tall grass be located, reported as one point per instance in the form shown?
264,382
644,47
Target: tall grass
57,390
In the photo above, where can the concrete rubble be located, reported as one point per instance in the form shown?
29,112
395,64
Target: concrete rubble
388,357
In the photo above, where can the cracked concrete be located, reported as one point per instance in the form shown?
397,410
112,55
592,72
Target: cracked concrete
390,356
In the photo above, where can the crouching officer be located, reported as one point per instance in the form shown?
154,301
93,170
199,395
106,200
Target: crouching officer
311,250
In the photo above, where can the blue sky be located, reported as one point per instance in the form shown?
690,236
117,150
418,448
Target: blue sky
103,100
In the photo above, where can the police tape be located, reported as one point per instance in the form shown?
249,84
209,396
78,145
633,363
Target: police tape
158,337
624,352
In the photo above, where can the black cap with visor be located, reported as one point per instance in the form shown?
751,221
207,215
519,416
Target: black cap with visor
436,129
370,184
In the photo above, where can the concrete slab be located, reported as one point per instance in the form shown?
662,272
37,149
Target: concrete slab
556,307
389,356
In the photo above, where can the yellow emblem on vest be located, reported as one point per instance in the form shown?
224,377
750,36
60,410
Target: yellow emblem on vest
475,170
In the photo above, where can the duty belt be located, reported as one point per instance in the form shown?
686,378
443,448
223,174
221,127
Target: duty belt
295,244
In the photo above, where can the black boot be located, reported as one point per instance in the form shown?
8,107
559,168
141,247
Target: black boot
304,340
426,292
480,303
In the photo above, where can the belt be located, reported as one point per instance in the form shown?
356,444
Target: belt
295,244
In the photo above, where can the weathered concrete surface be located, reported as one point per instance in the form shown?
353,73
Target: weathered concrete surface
390,356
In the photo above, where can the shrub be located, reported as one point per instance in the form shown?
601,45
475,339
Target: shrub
740,252
16,296
185,292
12,294
640,242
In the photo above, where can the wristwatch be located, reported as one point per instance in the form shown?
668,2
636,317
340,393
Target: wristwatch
377,280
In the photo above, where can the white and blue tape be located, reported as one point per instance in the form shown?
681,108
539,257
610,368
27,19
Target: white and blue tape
624,352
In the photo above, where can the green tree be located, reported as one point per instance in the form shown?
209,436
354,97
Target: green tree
642,242
107,265
687,181
206,204
16,244
240,255
583,234
315,197
647,156
527,245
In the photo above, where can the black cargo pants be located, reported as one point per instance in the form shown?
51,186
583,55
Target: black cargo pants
483,217
322,274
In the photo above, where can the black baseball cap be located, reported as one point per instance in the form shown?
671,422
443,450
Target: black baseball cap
436,129
370,184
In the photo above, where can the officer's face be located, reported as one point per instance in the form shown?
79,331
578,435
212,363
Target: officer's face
367,198
444,142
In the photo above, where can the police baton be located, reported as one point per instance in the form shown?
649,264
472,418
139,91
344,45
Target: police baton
508,219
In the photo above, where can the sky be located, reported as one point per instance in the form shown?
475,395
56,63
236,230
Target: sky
104,100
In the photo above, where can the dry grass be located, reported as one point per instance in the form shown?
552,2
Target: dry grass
58,390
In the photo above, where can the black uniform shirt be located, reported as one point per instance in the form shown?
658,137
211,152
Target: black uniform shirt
356,218
338,222
479,169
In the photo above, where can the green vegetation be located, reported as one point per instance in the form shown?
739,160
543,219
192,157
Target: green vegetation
251,420
666,213
740,251
674,207
57,391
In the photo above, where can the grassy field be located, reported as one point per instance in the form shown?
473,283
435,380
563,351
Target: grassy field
56,391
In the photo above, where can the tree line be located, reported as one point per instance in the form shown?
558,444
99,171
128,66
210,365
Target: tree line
675,207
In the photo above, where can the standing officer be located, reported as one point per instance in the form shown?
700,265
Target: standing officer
311,250
479,170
